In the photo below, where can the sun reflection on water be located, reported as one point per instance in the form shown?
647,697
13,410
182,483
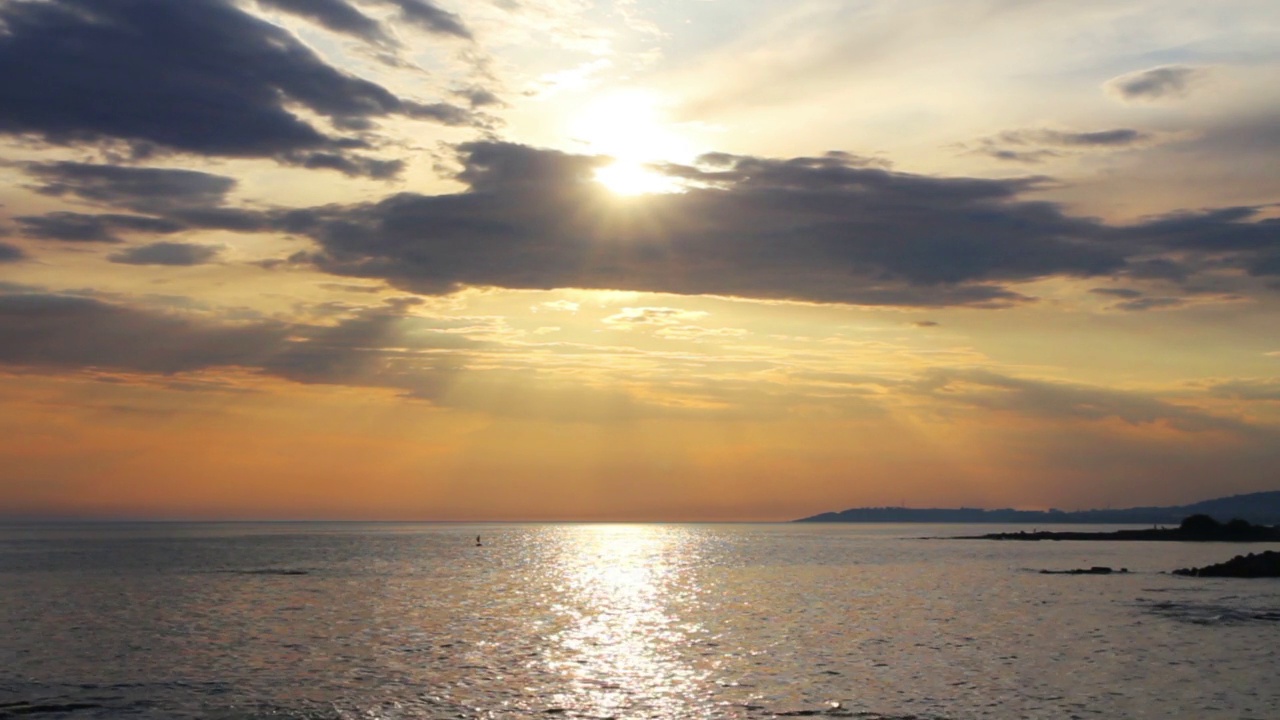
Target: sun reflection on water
618,646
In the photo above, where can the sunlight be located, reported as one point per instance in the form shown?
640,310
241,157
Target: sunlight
630,127
622,637
628,178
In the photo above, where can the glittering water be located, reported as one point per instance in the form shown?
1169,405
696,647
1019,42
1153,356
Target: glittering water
619,621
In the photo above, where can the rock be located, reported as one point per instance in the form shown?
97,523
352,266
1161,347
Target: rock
1095,570
1197,528
1264,564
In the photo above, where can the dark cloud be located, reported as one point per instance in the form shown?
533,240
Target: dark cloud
335,15
1155,83
1266,264
1231,236
835,228
926,323
478,96
1126,293
199,76
174,199
1158,269
1138,301
11,253
79,227
1030,157
1118,137
826,229
1100,138
77,332
133,188
1221,229
1034,146
167,253
82,227
375,347
1150,303
353,166
231,219
431,18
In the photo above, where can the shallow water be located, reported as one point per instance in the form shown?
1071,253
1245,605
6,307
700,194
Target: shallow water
620,621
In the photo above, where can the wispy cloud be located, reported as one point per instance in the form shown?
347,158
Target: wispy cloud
1158,83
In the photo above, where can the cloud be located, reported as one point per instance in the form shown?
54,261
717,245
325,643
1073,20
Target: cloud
133,188
373,347
1067,401
558,306
1233,235
79,227
1150,303
353,166
1038,145
1158,269
209,79
1266,263
75,332
1126,293
629,317
1137,301
1156,83
167,253
926,323
11,253
696,333
1117,137
827,229
431,18
174,200
1030,157
1265,389
478,96
335,15
833,228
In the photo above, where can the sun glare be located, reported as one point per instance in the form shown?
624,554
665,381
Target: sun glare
629,178
630,127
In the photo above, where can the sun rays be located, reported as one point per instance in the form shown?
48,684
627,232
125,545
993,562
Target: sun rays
631,127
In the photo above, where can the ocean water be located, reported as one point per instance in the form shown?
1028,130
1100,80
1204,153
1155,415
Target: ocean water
620,621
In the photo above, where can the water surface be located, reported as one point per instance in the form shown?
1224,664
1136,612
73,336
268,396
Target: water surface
620,621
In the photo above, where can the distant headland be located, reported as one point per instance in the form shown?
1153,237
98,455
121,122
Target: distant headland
1261,508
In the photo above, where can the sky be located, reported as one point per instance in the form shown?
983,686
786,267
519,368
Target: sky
686,260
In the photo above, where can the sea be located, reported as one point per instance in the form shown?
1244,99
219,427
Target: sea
353,620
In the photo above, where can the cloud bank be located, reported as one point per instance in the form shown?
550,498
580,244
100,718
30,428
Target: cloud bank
827,229
198,76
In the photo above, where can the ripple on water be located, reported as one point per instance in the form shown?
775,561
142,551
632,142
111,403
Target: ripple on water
1210,613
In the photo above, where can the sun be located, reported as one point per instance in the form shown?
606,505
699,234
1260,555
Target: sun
630,126
630,178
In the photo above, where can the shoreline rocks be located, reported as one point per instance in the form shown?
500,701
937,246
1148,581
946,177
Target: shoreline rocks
1261,565
1197,528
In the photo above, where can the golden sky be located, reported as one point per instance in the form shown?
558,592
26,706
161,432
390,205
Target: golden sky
563,259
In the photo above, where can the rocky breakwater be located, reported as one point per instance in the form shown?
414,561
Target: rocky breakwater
1254,565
